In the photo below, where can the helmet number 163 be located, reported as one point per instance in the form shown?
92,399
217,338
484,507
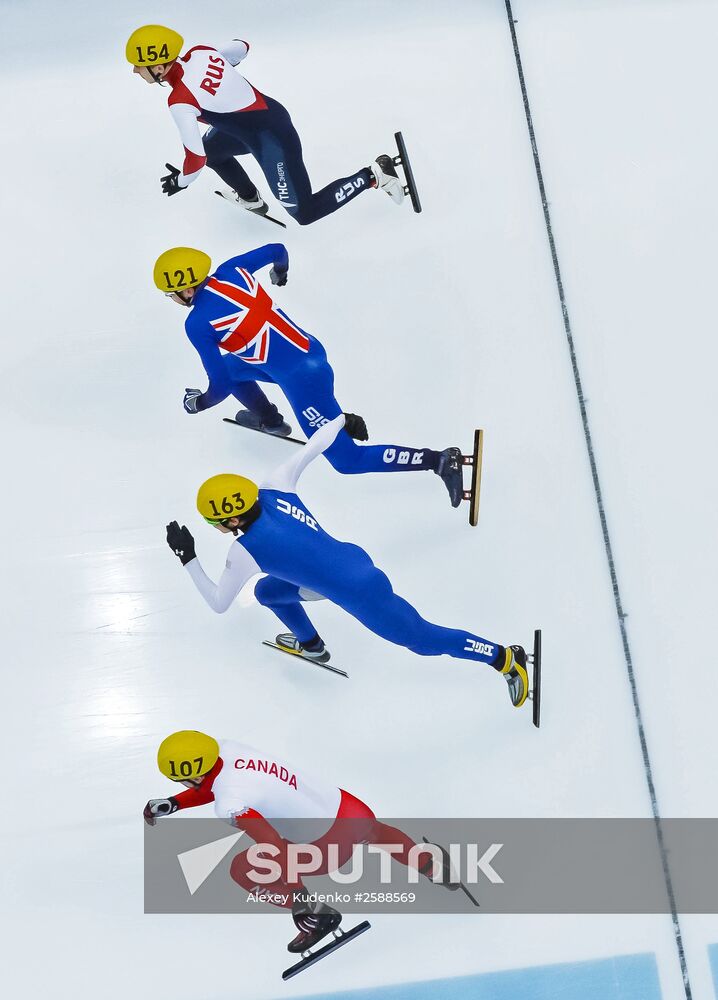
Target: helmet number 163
227,507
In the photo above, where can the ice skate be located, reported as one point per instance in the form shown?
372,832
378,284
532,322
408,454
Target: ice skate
445,877
450,471
386,177
253,422
290,644
516,674
256,205
313,921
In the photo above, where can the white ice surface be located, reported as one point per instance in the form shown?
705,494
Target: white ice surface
434,324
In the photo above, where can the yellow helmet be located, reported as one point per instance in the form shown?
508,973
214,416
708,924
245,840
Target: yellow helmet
153,45
226,496
179,268
187,754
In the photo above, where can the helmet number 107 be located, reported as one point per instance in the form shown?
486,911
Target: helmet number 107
185,768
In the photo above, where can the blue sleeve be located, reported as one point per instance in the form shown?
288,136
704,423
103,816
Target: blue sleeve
204,343
273,253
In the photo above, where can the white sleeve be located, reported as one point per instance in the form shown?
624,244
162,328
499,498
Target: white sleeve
185,117
235,51
285,478
239,568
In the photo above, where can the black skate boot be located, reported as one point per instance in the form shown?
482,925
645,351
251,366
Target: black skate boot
386,177
516,674
316,650
450,471
274,424
313,921
355,427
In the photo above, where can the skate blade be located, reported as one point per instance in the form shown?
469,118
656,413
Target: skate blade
475,461
307,659
404,162
278,437
310,957
535,693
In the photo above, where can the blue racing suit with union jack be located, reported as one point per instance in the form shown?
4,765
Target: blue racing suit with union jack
243,338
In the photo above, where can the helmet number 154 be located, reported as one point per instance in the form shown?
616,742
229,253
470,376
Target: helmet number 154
150,53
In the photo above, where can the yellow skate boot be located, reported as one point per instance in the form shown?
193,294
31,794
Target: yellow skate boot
516,674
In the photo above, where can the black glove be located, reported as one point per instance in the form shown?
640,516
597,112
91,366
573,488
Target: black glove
278,274
169,183
355,427
159,807
181,542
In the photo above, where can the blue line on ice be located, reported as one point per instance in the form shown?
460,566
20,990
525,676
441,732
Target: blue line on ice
626,977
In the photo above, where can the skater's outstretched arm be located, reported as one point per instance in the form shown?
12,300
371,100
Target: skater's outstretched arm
192,797
239,568
200,795
254,260
285,478
186,119
204,343
235,51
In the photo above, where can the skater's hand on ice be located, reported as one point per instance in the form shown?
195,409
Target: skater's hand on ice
170,183
181,542
190,400
279,274
159,807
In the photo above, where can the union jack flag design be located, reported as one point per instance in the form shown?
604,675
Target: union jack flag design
250,325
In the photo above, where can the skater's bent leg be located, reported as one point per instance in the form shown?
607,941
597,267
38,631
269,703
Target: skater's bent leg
284,600
220,150
371,599
382,833
280,892
334,196
314,402
357,824
400,622
350,458
253,398
281,160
